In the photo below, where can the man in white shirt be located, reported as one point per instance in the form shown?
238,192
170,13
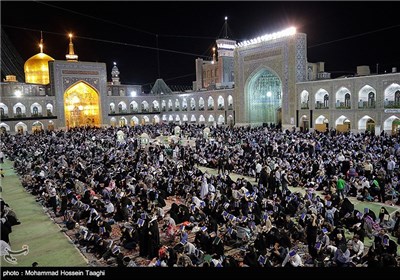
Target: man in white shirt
258,170
356,248
391,164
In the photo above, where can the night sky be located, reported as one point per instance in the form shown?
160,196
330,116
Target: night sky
343,34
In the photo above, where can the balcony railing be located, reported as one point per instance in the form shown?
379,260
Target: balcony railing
321,106
304,105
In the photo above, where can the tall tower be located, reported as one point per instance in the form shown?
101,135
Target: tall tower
71,56
115,75
225,48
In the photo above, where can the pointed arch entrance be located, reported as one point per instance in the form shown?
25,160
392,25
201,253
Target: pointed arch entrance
81,106
264,96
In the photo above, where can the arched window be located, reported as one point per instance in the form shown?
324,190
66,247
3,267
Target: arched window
371,100
304,99
221,103
145,106
397,98
192,104
49,109
156,106
112,108
230,102
133,107
326,100
309,74
184,104
18,111
35,111
210,103
2,114
347,100
201,104
120,108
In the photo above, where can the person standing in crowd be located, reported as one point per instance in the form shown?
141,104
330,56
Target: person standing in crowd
340,186
258,170
368,169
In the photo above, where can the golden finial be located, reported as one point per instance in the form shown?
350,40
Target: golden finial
213,54
41,42
71,56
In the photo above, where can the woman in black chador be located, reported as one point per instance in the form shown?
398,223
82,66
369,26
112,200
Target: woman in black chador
143,239
153,238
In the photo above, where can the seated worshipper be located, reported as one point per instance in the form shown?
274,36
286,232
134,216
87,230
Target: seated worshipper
104,229
358,229
388,246
279,254
230,261
98,247
365,195
345,207
356,249
130,237
260,244
323,239
183,260
352,189
342,256
84,236
113,251
109,208
372,258
250,257
387,223
169,227
375,188
351,173
383,211
292,259
337,239
69,219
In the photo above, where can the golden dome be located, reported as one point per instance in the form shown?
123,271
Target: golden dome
37,69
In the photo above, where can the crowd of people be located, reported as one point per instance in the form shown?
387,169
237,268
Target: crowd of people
295,211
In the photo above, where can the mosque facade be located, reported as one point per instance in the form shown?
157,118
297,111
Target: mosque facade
266,80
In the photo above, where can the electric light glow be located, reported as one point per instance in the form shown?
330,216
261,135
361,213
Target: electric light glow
268,37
